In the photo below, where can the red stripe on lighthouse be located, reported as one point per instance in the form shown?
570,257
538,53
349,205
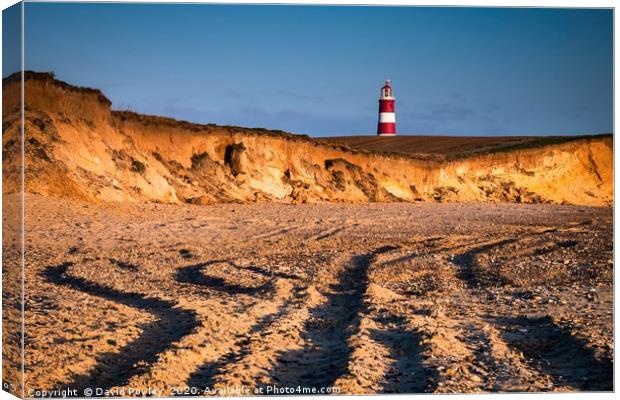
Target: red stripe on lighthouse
387,127
386,106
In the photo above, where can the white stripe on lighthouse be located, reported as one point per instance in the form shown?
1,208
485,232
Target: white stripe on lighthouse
387,117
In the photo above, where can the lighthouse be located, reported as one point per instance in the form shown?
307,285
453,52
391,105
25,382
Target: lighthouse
387,115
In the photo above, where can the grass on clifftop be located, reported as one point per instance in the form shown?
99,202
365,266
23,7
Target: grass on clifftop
540,142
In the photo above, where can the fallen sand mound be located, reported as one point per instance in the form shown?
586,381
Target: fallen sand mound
77,147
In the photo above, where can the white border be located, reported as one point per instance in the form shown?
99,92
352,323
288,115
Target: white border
479,3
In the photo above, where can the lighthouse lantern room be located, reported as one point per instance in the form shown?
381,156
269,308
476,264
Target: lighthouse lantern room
387,115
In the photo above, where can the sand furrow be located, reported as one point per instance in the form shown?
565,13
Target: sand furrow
325,331
116,369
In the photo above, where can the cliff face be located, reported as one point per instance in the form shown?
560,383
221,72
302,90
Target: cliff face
75,146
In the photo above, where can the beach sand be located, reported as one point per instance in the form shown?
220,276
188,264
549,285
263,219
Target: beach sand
316,298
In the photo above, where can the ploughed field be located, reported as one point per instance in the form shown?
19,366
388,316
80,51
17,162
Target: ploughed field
444,145
348,298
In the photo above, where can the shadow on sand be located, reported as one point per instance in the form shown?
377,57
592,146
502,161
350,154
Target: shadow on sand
205,375
554,351
137,357
194,275
472,274
406,374
326,354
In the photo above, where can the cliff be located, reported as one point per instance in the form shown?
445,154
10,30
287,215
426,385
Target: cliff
76,146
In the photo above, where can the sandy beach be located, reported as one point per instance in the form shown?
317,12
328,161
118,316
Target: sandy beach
135,298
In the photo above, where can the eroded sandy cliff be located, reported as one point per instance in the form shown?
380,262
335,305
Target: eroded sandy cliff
76,146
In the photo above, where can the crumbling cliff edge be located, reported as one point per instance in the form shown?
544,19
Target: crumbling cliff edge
77,146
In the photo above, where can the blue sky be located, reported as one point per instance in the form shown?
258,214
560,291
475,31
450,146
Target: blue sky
11,43
318,70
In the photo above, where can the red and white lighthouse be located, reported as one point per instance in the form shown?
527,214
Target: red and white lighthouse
387,114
